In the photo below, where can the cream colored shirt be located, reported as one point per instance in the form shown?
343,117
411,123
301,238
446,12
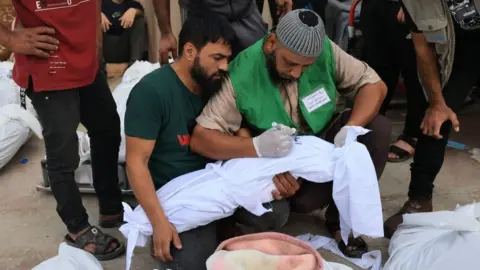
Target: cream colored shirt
221,112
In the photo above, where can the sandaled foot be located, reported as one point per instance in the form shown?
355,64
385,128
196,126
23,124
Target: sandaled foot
101,245
355,248
111,221
402,150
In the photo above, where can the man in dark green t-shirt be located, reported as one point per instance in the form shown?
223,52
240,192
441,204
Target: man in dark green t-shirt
160,109
160,116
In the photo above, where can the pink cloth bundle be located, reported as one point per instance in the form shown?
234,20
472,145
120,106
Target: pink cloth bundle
265,251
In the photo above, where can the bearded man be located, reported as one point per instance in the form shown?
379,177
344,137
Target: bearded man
292,77
159,119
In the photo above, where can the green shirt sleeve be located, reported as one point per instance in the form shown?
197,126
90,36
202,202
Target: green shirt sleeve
145,112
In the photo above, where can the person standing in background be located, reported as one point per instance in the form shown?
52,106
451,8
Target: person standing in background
446,36
243,16
124,31
57,63
273,9
388,49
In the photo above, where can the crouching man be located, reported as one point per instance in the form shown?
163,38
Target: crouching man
292,77
159,119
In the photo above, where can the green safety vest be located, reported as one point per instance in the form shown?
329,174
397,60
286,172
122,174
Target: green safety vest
259,101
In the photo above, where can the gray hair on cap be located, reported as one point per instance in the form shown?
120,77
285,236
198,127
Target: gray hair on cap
302,32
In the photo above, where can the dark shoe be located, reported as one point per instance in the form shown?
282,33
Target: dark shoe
410,207
106,246
355,248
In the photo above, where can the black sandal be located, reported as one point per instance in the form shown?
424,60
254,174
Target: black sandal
356,246
102,242
402,154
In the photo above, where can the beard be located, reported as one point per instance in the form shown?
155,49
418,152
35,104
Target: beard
276,77
209,84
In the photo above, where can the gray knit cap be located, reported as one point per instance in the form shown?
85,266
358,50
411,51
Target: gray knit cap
302,32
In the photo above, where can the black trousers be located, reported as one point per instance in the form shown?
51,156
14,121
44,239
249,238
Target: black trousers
127,47
390,53
60,113
317,5
272,5
430,152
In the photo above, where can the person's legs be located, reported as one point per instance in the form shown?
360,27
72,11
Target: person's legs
183,12
137,39
416,101
197,245
383,38
270,221
248,30
260,5
272,5
404,148
99,115
430,152
319,7
116,49
59,114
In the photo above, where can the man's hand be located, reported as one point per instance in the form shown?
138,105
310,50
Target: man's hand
128,18
275,142
168,44
434,118
37,41
105,23
162,237
286,186
283,7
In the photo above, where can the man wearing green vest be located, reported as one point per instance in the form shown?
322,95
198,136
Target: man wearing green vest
292,77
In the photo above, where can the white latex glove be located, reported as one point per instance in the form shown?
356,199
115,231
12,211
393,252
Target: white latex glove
275,142
341,137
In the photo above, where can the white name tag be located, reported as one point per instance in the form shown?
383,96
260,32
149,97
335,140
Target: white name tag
316,100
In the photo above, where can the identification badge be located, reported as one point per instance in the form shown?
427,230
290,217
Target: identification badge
316,100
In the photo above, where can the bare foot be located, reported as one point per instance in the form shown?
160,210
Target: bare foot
403,145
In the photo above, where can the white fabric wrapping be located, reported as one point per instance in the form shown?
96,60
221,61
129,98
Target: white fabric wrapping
203,196
15,126
371,260
442,240
70,258
15,122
